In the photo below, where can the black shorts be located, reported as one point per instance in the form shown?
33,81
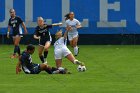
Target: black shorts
35,69
42,42
17,32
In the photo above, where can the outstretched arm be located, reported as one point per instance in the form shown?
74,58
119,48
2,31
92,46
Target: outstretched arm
57,24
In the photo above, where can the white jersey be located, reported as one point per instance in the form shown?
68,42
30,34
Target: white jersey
61,42
61,48
73,23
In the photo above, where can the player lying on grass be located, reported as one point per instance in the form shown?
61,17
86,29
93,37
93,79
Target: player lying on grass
25,62
60,50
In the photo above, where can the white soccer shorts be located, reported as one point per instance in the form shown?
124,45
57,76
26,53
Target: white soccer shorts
61,52
71,36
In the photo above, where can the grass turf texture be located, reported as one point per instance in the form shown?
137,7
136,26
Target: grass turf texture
110,69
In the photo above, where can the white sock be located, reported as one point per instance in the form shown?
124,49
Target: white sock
61,69
76,50
45,60
77,62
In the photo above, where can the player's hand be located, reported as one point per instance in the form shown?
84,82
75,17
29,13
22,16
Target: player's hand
26,32
38,37
69,28
7,34
18,69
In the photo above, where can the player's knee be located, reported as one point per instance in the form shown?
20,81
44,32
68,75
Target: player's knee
74,44
16,43
43,66
71,44
46,49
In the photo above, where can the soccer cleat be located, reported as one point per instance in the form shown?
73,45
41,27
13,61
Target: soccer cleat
79,63
65,71
82,64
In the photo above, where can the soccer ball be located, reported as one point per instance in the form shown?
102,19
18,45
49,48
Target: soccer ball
81,68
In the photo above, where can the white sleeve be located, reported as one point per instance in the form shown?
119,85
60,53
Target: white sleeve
78,23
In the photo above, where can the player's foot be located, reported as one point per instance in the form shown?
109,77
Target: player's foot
13,56
65,71
79,63
82,64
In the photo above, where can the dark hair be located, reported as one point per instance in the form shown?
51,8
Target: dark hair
30,47
67,16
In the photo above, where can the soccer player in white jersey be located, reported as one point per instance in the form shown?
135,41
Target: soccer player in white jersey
72,25
61,50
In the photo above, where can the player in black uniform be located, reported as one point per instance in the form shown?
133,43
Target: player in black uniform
14,24
25,63
43,35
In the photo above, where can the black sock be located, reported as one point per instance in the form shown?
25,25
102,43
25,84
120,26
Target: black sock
15,49
49,70
45,54
18,50
41,58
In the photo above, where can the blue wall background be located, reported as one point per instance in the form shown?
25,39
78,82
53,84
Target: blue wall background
84,9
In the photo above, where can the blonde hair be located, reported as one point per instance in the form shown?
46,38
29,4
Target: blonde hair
40,18
12,10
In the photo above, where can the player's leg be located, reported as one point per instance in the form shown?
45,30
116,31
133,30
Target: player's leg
45,67
51,70
71,43
58,59
70,40
16,41
58,62
46,48
71,58
40,51
76,48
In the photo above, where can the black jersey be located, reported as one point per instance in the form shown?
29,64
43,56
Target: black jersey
43,32
26,61
16,25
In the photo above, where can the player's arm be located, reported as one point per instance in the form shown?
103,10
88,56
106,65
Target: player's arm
36,37
78,25
65,34
57,24
36,34
8,32
24,27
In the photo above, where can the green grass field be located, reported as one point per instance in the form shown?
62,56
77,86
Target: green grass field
110,69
